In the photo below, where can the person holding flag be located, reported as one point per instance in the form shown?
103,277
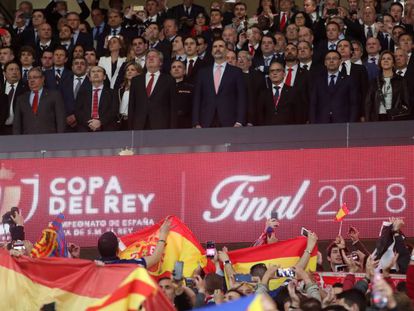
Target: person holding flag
108,247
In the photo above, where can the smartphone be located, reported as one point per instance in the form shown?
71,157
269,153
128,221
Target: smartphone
243,278
138,8
178,270
189,282
18,245
304,231
332,11
340,268
354,256
285,273
211,249
274,215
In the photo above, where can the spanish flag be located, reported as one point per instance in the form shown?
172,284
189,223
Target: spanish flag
343,211
181,245
73,284
285,253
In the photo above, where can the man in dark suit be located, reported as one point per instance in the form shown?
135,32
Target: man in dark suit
152,34
78,37
281,20
220,93
95,108
192,62
71,87
151,96
256,85
329,44
277,106
55,10
262,62
13,88
58,73
183,97
45,40
40,111
357,73
186,14
30,35
333,97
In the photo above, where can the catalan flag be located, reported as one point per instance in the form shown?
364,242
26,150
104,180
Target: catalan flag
343,211
284,253
181,245
74,284
52,242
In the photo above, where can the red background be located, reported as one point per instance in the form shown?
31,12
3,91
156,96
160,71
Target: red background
183,185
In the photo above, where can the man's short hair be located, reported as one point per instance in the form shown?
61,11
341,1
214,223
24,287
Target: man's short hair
258,269
398,4
38,70
354,296
339,55
61,48
108,244
405,34
6,65
241,3
333,23
28,49
161,56
154,23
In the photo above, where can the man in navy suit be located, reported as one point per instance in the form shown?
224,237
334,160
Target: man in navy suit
84,39
58,73
220,93
71,87
333,97
186,14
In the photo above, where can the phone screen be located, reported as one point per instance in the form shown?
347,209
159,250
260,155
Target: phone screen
178,270
304,231
242,278
211,249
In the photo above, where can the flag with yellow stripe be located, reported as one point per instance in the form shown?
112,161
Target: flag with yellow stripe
181,245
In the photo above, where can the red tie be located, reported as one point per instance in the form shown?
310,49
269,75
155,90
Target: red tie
95,101
288,79
283,22
251,50
35,103
149,86
190,67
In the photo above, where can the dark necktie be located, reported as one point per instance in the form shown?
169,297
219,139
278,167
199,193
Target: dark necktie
58,76
97,31
77,86
114,32
343,70
43,47
373,60
25,71
332,81
276,96
332,46
369,32
190,67
400,73
305,67
11,93
387,39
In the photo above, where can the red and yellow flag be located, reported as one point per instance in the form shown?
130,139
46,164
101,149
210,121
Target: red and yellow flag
285,253
181,245
72,284
343,211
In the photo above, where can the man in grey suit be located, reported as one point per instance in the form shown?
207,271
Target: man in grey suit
40,111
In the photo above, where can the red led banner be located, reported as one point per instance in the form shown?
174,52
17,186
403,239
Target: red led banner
224,197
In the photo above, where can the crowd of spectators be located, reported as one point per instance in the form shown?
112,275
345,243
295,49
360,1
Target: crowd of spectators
372,290
153,67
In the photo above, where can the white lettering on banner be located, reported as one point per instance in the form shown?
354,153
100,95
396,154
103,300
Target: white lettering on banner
75,196
245,207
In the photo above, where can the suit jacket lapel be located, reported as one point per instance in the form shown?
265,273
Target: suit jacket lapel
157,85
223,77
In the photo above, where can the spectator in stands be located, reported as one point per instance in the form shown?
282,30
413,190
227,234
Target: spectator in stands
65,38
201,24
305,53
132,69
282,19
387,97
250,41
78,37
328,44
155,90
98,20
95,108
306,34
13,88
268,55
178,52
180,296
27,58
58,74
170,29
185,14
114,62
192,63
256,85
71,87
333,98
39,111
30,35
183,97
231,58
202,52
220,95
140,49
108,248
277,106
91,59
45,40
230,37
280,46
373,48
46,60
239,22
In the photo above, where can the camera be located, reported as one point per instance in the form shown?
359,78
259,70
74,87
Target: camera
332,12
7,217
